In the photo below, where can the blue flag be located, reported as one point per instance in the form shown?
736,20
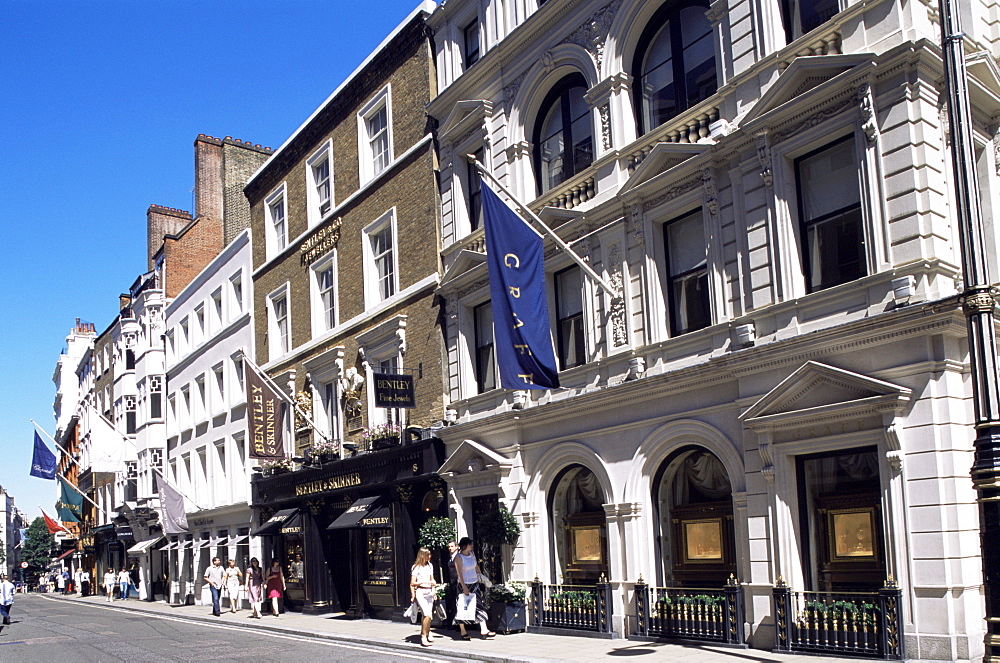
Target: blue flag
71,509
43,461
517,287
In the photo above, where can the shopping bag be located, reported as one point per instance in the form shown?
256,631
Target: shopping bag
411,612
465,607
485,581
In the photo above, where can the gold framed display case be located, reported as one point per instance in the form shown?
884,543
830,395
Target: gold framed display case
586,539
852,534
702,541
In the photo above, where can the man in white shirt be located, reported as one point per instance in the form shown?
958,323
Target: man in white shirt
213,576
6,599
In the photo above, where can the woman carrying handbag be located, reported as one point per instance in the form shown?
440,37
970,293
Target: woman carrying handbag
467,569
422,592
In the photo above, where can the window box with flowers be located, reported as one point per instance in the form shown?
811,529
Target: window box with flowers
324,451
382,436
276,466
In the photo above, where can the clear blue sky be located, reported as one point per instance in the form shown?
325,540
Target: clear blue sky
100,103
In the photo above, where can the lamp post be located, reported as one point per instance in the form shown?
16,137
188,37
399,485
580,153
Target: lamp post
978,305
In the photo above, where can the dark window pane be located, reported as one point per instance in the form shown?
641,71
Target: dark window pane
486,370
155,406
569,312
687,269
565,123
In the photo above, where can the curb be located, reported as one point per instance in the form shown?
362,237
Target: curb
335,637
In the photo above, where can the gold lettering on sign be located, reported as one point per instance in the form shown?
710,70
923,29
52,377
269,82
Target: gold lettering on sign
257,399
517,321
515,292
375,521
510,256
330,483
317,245
523,349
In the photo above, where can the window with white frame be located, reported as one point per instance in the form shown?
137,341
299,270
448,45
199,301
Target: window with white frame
375,135
172,424
238,391
201,404
687,273
218,389
569,317
485,353
216,322
830,219
324,295
236,287
201,485
277,222
186,416
330,411
188,476
319,175
474,189
155,387
185,336
383,347
199,325
170,345
130,414
221,483
803,16
279,339
380,263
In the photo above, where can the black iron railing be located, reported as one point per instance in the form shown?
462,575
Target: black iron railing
577,607
714,615
852,624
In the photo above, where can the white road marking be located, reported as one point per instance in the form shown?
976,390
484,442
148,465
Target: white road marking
314,639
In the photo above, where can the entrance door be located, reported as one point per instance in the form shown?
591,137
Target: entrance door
487,555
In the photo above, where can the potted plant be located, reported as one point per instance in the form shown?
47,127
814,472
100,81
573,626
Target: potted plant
506,611
434,535
325,451
496,528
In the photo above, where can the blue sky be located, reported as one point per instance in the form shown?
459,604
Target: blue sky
100,103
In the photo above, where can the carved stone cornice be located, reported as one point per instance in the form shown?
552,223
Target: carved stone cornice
593,33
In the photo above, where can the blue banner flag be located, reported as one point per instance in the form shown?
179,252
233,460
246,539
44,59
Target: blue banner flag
71,509
43,461
517,287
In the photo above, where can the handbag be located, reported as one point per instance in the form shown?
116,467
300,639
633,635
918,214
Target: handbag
465,607
485,581
411,612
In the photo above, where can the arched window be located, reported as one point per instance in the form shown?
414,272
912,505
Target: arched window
579,526
564,135
674,66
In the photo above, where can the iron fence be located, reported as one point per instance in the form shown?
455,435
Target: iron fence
687,613
577,607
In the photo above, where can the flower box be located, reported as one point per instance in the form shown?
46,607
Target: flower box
507,616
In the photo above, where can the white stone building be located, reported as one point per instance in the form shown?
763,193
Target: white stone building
766,185
208,329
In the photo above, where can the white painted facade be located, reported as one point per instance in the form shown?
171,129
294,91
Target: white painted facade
787,370
205,411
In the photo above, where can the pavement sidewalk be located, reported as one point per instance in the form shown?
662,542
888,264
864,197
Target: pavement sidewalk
404,637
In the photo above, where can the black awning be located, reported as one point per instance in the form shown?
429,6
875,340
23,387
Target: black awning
366,512
273,525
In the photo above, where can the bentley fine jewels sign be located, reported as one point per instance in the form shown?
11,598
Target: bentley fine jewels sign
393,390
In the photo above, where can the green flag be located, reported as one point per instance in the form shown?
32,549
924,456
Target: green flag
72,503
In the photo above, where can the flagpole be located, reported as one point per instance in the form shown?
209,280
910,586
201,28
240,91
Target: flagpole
588,270
281,392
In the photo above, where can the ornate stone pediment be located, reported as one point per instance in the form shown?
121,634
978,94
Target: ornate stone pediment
662,158
466,117
473,463
465,261
804,75
817,395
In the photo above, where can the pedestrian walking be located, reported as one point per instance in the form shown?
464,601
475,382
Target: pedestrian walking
451,591
85,582
255,587
275,586
213,576
422,592
233,578
6,599
467,569
109,584
78,581
61,582
124,580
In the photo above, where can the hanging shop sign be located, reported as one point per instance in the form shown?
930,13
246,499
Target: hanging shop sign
394,390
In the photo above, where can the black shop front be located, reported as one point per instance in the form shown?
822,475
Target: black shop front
345,532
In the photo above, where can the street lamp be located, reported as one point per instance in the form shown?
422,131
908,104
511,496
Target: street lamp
978,305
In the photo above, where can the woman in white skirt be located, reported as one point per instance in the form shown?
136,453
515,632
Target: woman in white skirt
422,591
231,579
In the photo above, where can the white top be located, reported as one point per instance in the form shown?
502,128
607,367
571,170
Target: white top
424,575
232,575
469,574
109,578
6,592
123,576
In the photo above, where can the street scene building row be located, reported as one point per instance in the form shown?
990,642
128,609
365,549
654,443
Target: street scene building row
775,403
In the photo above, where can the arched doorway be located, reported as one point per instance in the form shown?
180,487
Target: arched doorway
693,494
579,526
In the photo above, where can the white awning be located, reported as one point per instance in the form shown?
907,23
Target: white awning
237,540
143,546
